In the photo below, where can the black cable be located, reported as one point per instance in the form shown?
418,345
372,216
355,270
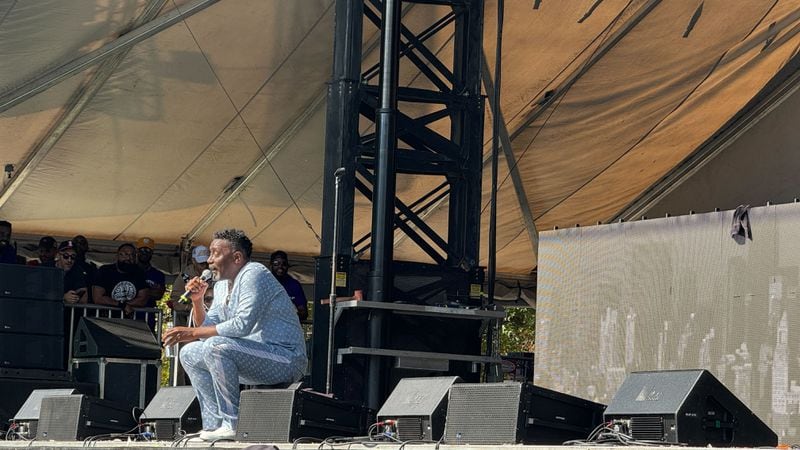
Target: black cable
415,441
183,439
303,439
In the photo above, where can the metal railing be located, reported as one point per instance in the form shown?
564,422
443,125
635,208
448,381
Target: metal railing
75,312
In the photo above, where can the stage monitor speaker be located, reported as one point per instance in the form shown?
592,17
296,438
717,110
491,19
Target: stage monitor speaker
483,413
27,417
35,282
32,351
115,338
688,407
283,415
512,412
16,386
175,412
31,316
76,417
419,405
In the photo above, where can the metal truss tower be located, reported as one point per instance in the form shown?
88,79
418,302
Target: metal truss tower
374,131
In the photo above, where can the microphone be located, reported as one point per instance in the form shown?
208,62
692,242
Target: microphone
205,276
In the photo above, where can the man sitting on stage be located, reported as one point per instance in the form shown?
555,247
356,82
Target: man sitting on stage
251,334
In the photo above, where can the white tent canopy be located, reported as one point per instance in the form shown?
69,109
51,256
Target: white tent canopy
217,120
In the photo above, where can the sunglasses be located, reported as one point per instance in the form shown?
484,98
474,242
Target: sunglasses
68,256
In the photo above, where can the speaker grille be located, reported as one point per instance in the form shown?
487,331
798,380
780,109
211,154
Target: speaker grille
166,429
410,429
483,413
648,428
33,425
60,417
265,415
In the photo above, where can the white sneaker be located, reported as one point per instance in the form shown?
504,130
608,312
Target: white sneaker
223,432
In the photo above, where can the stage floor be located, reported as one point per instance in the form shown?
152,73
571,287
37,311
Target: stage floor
108,445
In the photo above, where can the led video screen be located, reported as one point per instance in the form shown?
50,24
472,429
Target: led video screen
675,293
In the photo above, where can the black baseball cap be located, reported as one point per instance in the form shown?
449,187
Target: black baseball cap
48,242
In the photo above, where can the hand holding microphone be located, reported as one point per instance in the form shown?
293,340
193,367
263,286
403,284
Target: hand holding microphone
204,277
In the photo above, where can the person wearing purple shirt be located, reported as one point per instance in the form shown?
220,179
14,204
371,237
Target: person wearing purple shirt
279,265
156,281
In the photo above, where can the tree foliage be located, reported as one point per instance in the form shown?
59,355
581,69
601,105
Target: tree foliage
519,330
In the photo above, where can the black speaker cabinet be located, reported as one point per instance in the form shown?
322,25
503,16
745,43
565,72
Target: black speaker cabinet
282,415
512,412
16,386
32,351
415,284
553,417
27,417
115,338
419,405
126,381
35,282
31,316
175,412
76,417
689,407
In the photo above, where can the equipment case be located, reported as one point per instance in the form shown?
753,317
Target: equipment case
128,381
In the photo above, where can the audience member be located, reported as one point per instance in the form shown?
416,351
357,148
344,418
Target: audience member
8,251
82,248
198,263
87,267
155,278
279,265
48,247
122,283
76,285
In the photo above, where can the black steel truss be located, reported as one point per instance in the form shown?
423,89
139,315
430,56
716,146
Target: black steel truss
455,158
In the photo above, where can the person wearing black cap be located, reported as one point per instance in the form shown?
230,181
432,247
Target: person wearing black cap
76,285
279,266
48,247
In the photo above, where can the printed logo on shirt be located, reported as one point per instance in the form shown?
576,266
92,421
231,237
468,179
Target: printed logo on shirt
124,291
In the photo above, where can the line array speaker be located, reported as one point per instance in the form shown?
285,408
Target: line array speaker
688,407
32,351
33,282
31,316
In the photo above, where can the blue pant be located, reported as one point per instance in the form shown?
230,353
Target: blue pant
219,364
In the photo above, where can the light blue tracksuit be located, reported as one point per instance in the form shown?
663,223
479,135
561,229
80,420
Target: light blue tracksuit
260,342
